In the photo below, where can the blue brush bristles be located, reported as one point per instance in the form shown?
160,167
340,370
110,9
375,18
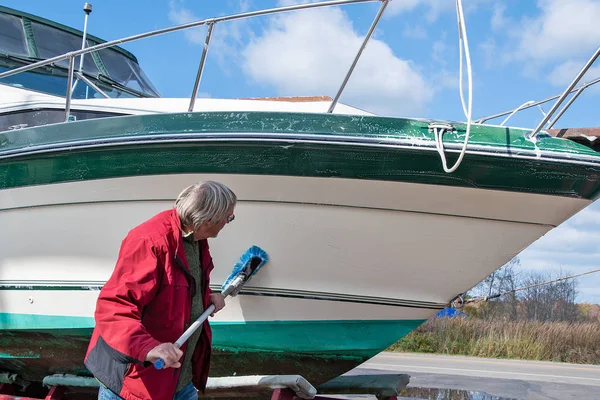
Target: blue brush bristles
245,259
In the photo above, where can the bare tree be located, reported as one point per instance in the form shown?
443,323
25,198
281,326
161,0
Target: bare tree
502,280
541,301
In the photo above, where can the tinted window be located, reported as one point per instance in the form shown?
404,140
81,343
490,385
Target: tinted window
12,36
52,42
126,72
55,84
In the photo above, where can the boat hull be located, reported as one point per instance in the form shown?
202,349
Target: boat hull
366,236
351,266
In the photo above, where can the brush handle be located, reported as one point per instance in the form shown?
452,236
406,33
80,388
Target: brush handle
160,363
237,282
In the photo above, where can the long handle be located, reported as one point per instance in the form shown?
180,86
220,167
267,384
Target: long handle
160,363
238,281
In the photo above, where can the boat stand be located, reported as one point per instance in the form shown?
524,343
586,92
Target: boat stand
275,387
295,387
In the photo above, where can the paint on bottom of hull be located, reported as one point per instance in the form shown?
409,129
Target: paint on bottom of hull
317,350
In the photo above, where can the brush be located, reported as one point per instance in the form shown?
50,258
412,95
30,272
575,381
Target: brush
250,262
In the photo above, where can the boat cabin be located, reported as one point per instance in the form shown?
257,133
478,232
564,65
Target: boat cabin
25,39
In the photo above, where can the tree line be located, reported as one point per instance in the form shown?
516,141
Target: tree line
556,301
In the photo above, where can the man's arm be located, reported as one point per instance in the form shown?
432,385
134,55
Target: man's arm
133,284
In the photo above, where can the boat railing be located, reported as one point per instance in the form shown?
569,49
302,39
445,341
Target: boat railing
209,22
561,98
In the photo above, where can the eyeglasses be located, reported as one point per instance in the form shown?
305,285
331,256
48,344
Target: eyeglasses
230,218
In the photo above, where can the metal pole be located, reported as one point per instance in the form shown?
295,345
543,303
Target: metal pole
537,103
69,83
561,112
177,28
91,84
201,66
565,93
384,4
87,8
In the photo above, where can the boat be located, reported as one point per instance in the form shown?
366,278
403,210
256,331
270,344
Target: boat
369,232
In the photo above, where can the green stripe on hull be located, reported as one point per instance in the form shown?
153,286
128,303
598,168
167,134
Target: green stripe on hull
9,321
277,336
239,156
311,336
348,126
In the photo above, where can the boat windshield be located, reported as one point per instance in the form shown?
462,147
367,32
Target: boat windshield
25,39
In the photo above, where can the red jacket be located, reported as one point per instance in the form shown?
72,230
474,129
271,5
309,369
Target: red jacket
147,301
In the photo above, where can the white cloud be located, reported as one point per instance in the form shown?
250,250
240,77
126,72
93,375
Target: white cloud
588,219
400,6
570,239
572,247
577,236
590,294
244,5
309,53
446,79
489,50
499,21
415,32
563,29
180,15
227,37
563,74
433,7
440,51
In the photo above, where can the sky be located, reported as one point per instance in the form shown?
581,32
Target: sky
520,50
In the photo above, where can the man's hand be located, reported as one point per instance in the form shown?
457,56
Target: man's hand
168,352
219,301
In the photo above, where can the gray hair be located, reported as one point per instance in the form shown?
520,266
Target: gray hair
203,202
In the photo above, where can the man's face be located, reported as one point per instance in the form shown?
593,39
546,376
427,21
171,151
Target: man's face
211,229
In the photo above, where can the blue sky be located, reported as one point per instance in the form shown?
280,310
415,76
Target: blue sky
521,50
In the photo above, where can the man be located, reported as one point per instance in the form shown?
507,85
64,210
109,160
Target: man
160,285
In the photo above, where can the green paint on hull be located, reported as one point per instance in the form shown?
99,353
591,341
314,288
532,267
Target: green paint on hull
9,321
276,336
417,163
318,350
158,125
311,336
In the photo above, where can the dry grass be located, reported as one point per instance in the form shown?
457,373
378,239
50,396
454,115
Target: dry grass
526,340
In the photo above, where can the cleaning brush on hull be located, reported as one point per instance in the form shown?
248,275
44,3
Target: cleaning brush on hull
250,262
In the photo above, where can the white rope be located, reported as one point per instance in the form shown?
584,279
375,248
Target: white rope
467,109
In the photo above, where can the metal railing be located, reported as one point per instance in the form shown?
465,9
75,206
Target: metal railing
210,22
570,89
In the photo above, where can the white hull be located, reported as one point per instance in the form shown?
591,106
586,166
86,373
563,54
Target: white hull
377,246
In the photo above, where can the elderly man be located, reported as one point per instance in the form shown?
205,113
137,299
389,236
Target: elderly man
159,286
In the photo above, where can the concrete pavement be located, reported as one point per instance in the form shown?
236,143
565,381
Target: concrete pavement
514,379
